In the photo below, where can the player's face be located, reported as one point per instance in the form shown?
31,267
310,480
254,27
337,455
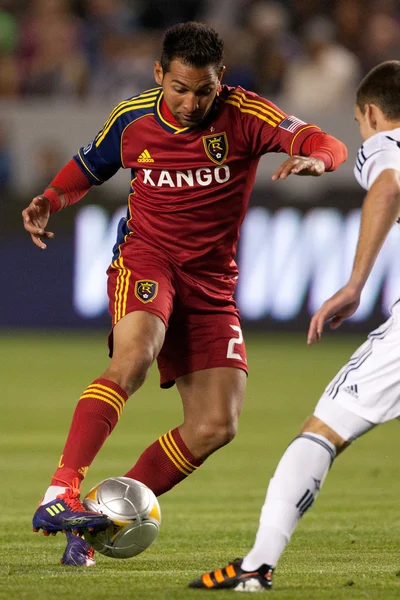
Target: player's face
188,91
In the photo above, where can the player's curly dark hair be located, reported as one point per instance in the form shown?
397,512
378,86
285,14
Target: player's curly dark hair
195,44
381,86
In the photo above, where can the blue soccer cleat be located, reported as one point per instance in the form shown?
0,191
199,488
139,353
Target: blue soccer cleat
233,577
78,552
67,513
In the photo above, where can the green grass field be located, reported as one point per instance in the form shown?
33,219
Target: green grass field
346,547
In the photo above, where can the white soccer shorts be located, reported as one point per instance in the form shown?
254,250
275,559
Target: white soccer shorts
366,391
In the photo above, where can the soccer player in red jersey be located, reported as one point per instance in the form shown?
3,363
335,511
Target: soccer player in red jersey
193,146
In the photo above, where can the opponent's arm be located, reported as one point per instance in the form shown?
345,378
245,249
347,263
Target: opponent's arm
319,152
68,186
380,211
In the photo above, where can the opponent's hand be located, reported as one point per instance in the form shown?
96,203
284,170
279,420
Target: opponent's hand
299,165
338,308
36,217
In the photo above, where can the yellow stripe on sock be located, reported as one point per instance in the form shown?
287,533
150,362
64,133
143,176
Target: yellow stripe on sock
178,451
163,446
107,390
98,397
108,393
183,463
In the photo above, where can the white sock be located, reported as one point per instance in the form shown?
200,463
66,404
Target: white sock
52,492
291,491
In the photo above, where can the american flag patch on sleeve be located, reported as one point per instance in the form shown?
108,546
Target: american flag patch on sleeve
291,124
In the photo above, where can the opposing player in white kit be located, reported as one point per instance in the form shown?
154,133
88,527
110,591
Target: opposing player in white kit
366,392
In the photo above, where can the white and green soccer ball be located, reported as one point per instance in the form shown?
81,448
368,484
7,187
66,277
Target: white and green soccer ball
134,511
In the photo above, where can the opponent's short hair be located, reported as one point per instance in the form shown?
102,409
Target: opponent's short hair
381,86
195,44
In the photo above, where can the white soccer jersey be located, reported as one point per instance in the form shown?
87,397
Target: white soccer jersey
378,153
368,386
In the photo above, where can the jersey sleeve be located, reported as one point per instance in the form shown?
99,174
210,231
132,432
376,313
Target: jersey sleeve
378,153
266,127
101,159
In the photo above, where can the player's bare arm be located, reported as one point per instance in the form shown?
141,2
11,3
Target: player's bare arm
380,211
36,217
299,165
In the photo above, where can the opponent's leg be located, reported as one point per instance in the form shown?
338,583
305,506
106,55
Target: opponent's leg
363,394
291,492
358,389
138,338
212,401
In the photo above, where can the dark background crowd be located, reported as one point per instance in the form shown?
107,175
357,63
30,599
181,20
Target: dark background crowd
106,48
64,65
306,55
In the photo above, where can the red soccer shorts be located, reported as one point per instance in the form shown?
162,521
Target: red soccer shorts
203,327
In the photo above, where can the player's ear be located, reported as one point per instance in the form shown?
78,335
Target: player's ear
158,73
221,73
371,116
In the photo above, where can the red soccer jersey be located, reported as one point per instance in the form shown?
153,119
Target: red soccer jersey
190,187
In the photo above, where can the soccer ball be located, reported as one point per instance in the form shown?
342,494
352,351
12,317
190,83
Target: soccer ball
134,511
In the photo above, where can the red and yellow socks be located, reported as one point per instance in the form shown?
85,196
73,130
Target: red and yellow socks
95,416
165,463
161,466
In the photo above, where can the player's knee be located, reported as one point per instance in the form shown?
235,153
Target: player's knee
137,375
218,433
315,425
131,370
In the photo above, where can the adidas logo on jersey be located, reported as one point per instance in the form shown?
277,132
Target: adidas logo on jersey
145,157
352,390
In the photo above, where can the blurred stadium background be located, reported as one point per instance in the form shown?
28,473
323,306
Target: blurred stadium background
64,64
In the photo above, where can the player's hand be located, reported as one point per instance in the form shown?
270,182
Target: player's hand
338,308
35,217
299,165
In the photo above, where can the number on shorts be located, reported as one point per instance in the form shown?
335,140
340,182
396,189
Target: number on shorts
233,342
